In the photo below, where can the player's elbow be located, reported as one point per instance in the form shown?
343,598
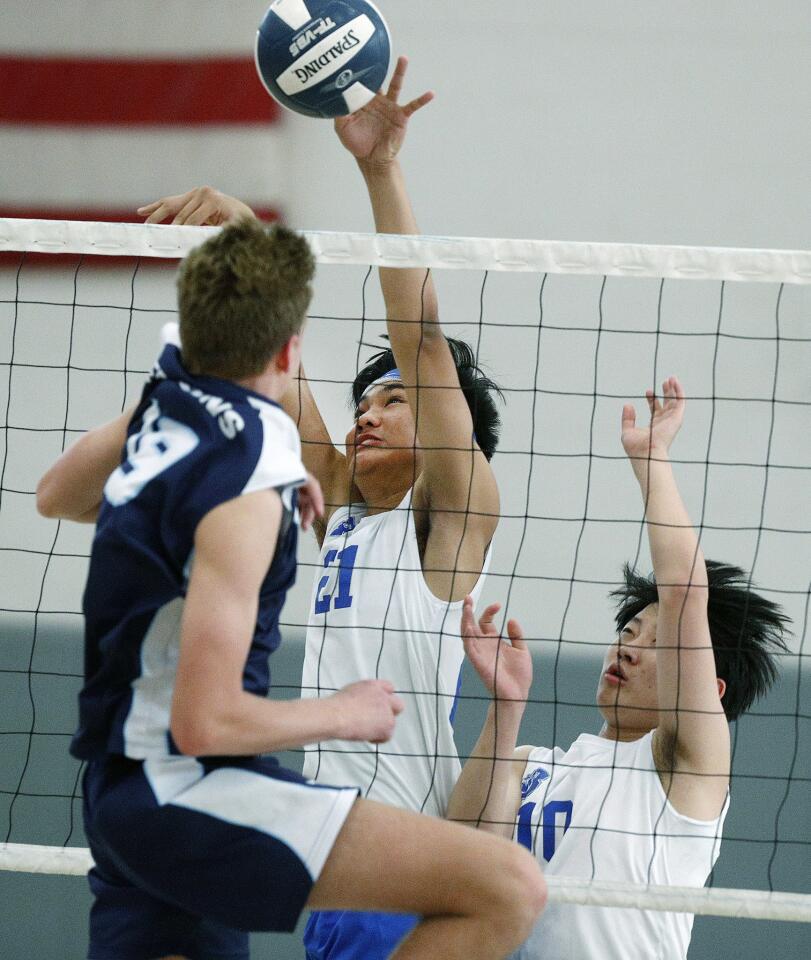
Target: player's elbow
55,503
192,742
49,502
194,735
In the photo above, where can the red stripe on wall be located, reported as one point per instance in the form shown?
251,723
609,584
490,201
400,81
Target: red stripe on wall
52,91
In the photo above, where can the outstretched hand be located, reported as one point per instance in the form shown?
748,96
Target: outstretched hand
504,667
375,133
203,206
653,441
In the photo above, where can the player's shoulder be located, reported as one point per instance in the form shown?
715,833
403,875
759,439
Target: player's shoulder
534,755
279,462
523,752
243,441
222,411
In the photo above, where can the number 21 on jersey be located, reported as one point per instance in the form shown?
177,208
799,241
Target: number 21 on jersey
336,591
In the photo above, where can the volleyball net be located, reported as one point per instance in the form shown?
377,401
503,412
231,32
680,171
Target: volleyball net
570,331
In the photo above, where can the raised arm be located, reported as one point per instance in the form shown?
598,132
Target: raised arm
488,791
457,482
72,489
374,136
211,712
691,743
318,452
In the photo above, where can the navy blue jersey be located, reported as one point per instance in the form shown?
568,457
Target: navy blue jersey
193,443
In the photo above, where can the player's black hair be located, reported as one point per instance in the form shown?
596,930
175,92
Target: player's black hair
746,629
476,386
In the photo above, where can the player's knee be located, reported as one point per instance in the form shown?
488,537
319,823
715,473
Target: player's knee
520,895
528,893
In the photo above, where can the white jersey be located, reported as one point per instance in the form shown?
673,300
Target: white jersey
373,616
639,838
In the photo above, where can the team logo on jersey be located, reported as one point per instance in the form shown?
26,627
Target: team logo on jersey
228,419
532,780
347,526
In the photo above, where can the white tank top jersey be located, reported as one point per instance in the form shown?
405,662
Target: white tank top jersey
640,839
373,616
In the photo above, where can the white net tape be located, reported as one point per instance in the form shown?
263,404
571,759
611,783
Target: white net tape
447,253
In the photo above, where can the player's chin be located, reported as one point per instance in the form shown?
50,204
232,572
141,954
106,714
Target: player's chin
361,460
375,457
609,694
365,454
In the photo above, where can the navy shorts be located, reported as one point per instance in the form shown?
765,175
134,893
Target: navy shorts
191,854
349,935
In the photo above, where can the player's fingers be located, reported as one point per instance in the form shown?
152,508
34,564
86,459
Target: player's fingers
396,82
160,213
317,501
201,214
147,208
194,212
488,614
397,705
306,512
386,685
486,625
674,390
628,417
169,206
516,635
418,103
468,624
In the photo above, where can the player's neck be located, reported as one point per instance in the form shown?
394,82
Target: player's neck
268,384
624,733
382,492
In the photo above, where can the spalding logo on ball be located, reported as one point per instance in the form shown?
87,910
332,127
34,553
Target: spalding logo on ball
323,58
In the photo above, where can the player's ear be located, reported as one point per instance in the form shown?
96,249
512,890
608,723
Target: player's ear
722,687
289,356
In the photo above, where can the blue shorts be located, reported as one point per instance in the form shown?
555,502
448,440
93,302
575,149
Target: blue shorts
191,854
350,935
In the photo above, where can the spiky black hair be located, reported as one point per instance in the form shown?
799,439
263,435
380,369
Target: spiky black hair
746,629
476,386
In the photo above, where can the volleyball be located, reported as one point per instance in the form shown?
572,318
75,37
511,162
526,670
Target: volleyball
323,58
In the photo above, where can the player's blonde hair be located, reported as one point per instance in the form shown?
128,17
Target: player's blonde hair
241,296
